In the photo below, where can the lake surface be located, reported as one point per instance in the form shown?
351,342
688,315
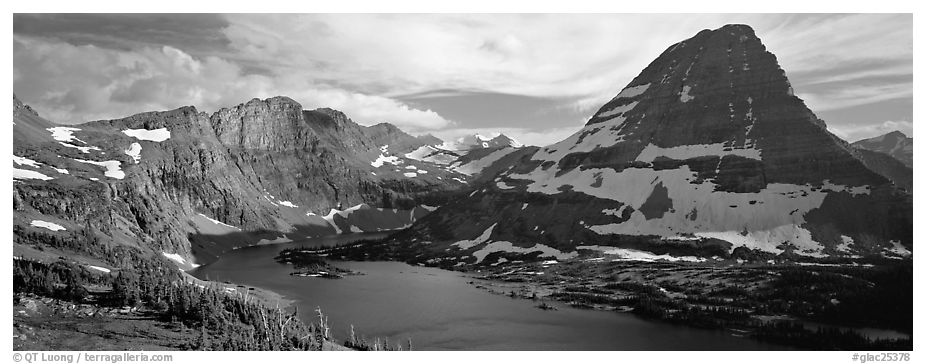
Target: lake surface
439,310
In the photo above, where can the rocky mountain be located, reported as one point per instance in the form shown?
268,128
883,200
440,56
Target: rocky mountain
385,134
894,144
706,153
192,185
478,141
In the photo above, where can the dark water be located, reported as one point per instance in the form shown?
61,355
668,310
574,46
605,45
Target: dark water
438,310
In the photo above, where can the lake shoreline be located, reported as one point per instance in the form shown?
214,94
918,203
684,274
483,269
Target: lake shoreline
424,299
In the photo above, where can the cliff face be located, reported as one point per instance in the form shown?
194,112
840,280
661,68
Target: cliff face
705,151
186,183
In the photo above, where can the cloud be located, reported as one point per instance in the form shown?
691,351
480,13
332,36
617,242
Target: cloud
854,133
586,57
840,98
80,67
71,84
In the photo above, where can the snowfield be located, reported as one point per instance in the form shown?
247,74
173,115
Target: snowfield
156,135
696,208
47,225
217,222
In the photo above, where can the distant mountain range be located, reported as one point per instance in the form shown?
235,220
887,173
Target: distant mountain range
894,144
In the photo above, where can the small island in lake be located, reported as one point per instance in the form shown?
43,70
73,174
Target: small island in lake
310,263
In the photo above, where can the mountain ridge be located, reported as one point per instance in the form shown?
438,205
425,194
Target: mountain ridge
895,144
264,169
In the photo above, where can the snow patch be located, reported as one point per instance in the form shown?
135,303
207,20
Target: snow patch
683,96
26,161
506,246
503,186
101,269
631,91
82,149
639,255
288,204
696,208
156,135
899,249
28,174
113,169
175,257
47,225
858,190
383,159
845,245
618,110
467,244
64,134
651,152
217,222
476,166
134,151
410,174
345,213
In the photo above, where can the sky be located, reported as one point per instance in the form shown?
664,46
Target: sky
535,77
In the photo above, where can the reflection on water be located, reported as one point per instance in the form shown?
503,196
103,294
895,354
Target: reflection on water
438,310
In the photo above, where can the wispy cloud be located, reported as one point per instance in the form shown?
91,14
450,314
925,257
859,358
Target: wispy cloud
80,67
70,84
